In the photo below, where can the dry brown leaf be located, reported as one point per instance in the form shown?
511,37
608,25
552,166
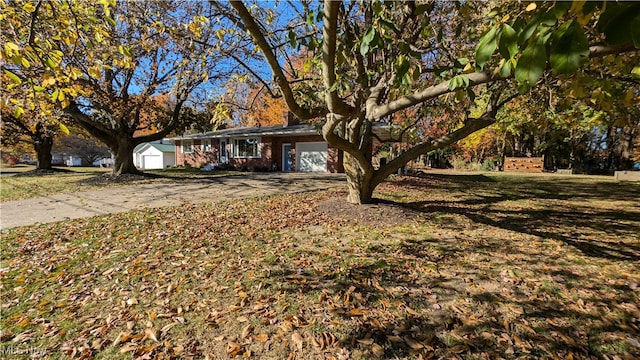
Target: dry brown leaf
167,327
377,350
234,348
395,338
459,349
368,341
356,312
261,337
151,333
416,345
410,311
316,344
242,319
246,331
298,340
122,337
128,348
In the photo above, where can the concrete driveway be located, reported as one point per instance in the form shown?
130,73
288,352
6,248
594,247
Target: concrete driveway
159,193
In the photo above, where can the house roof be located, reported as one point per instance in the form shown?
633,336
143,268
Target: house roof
274,130
165,148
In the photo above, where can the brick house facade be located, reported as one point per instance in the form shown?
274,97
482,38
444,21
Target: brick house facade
288,147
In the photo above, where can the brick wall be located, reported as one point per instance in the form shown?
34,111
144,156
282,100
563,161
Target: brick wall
270,151
198,157
524,164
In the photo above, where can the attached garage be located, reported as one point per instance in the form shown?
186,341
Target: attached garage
311,156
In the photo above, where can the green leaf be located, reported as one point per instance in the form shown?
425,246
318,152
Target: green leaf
618,23
486,47
569,48
292,38
50,63
531,64
310,18
402,66
635,31
64,128
508,45
459,81
366,41
635,72
389,25
54,95
505,70
110,20
18,112
471,94
461,62
13,77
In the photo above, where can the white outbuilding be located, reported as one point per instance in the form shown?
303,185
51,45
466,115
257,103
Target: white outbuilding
154,155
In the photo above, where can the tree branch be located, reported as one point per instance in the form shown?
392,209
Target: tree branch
254,29
376,112
329,36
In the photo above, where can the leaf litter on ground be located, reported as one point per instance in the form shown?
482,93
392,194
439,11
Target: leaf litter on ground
441,266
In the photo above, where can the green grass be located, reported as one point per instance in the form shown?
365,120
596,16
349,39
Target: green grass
510,267
69,180
25,186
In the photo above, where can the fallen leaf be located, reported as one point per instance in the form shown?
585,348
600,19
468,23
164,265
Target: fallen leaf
410,311
151,333
261,337
128,348
167,327
368,341
298,340
377,350
246,331
395,338
413,344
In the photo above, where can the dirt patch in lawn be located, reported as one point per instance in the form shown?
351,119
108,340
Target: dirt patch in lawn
381,212
43,172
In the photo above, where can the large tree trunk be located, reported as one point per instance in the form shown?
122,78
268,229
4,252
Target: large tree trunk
359,181
123,153
42,143
43,150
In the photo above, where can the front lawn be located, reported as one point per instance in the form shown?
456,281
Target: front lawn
25,183
477,266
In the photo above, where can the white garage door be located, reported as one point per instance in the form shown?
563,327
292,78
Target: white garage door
151,162
311,156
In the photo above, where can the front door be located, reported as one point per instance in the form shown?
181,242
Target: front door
286,157
223,151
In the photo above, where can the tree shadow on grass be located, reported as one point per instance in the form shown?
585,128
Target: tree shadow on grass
412,314
560,210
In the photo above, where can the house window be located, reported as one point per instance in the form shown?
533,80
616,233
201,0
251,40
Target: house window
246,148
206,145
187,146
